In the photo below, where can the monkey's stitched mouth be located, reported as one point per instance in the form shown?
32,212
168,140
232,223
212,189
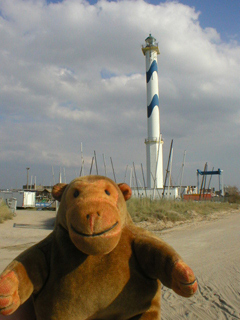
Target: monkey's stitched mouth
94,234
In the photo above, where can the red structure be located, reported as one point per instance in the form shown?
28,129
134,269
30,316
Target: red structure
196,197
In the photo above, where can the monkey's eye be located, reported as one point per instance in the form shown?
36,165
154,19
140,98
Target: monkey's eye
76,193
107,192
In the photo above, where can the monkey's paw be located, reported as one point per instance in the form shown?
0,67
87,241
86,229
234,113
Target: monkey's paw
184,282
9,298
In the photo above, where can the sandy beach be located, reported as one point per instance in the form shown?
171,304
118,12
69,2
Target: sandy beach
211,248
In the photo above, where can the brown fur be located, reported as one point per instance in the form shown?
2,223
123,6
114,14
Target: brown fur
95,264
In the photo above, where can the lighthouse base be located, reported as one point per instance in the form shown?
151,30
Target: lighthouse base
154,162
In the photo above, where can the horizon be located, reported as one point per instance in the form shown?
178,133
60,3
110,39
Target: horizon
73,72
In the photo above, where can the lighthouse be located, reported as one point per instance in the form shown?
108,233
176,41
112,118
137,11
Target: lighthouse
154,140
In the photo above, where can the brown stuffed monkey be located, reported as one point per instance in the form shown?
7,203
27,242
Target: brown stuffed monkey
96,264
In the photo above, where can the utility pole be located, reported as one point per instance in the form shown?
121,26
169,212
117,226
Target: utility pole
27,176
167,171
181,180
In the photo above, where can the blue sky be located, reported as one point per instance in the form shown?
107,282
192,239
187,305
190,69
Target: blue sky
72,74
223,15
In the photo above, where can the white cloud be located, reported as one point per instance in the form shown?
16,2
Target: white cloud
73,72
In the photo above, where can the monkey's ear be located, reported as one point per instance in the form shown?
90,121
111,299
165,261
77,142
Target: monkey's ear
58,190
126,190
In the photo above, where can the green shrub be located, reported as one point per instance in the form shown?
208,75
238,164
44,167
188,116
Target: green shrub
232,195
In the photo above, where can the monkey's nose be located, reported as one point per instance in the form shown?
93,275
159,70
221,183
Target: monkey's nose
91,217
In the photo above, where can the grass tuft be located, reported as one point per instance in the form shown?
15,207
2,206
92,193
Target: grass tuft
5,212
172,210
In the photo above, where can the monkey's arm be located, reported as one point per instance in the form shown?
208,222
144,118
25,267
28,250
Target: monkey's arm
160,261
22,277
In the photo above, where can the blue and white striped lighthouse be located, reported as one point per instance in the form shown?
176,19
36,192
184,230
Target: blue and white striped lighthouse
154,141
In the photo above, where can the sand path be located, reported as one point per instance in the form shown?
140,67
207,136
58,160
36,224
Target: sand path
30,227
211,248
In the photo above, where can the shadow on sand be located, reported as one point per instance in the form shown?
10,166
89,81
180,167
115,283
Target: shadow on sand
48,224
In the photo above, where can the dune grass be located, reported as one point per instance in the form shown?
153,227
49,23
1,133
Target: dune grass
5,212
154,210
172,210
